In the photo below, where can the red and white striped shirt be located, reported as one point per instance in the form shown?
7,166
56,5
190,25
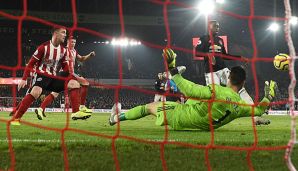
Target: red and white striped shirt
72,54
46,58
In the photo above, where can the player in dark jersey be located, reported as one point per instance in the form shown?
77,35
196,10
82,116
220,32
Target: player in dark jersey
213,47
159,86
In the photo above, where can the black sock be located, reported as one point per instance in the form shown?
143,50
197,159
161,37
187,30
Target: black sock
174,71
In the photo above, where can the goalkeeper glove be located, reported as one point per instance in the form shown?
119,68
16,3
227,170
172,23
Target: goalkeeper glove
270,89
170,57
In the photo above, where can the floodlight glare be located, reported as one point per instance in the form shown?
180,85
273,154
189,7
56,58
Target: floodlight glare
273,27
206,7
123,42
294,20
220,1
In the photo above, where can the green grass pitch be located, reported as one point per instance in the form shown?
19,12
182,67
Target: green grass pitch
138,145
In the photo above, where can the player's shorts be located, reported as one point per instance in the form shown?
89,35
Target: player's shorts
220,77
159,98
181,116
168,109
80,79
245,96
49,83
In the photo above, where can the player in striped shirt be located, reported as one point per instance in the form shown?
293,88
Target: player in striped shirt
46,59
73,55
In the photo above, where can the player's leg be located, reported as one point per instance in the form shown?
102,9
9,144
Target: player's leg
58,85
40,112
157,97
133,114
26,103
84,89
27,92
38,83
75,98
155,108
14,110
209,76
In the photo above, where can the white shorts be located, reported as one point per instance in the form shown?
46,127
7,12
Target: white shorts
220,77
159,98
245,96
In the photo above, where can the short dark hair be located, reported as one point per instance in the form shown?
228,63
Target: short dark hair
212,22
237,76
54,29
72,37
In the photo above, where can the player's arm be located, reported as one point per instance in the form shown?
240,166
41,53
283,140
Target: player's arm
246,111
36,57
202,48
86,57
190,89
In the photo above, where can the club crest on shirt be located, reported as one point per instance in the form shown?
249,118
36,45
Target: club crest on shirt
49,61
39,79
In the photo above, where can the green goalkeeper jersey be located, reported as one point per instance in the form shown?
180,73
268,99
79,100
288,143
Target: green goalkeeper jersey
227,106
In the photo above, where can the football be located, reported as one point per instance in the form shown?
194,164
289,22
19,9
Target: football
281,62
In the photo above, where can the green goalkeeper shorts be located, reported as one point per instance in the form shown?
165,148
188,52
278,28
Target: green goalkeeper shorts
183,116
166,113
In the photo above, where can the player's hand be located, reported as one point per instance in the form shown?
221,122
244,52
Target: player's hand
213,61
170,56
22,84
92,54
270,89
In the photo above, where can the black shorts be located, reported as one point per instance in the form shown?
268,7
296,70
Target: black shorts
49,83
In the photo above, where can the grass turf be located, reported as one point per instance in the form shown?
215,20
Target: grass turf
139,145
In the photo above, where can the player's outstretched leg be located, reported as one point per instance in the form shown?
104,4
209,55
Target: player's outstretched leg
133,114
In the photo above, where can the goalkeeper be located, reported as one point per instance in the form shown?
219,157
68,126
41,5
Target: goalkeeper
227,104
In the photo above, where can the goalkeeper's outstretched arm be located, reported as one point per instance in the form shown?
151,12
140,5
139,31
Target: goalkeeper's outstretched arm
190,89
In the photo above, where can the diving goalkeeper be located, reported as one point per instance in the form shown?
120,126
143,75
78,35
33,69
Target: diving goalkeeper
227,104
